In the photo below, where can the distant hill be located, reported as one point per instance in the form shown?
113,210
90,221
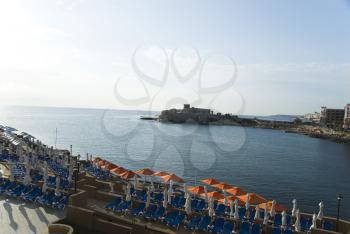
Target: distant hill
280,117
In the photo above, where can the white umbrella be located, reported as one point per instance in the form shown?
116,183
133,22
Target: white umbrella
57,190
257,212
27,178
12,175
165,195
266,215
247,205
236,214
44,187
169,196
171,187
135,181
295,207
225,197
111,186
232,212
211,207
297,221
206,193
70,173
188,204
185,189
152,186
148,201
314,219
284,219
128,192
320,212
273,207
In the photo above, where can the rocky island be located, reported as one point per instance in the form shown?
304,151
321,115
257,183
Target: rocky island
195,115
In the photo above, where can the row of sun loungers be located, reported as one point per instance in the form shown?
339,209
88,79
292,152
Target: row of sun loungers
31,193
156,212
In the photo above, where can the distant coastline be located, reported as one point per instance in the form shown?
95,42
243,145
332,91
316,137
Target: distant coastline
286,123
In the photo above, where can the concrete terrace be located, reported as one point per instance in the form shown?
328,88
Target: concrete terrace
25,218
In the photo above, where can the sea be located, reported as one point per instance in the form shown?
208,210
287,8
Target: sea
274,164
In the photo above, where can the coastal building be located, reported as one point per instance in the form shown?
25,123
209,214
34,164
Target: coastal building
332,118
187,114
346,125
313,117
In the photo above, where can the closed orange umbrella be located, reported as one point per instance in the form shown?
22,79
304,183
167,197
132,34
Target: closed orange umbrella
196,190
210,181
214,194
254,199
173,177
278,207
119,170
230,199
128,175
161,173
145,171
222,186
236,191
109,166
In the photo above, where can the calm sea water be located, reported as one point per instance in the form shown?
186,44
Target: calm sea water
272,163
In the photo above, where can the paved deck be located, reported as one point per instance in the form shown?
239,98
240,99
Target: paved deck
23,218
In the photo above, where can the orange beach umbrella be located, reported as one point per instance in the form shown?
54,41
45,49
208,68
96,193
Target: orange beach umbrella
214,194
161,173
109,166
173,177
210,181
128,175
236,191
145,171
196,190
254,199
118,170
278,207
97,159
102,162
222,186
230,199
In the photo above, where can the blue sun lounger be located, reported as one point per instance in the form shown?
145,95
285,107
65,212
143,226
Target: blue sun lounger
193,224
159,213
228,227
220,210
218,225
256,228
194,204
327,225
138,210
171,217
276,230
203,224
277,221
150,213
241,212
201,206
305,224
122,207
175,223
245,228
113,205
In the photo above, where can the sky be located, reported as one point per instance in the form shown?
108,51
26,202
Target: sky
240,56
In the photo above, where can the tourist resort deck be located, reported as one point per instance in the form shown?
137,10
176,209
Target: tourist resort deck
45,190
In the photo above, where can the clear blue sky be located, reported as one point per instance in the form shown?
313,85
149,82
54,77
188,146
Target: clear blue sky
293,56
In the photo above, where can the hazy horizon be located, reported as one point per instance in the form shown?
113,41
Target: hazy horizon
290,57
